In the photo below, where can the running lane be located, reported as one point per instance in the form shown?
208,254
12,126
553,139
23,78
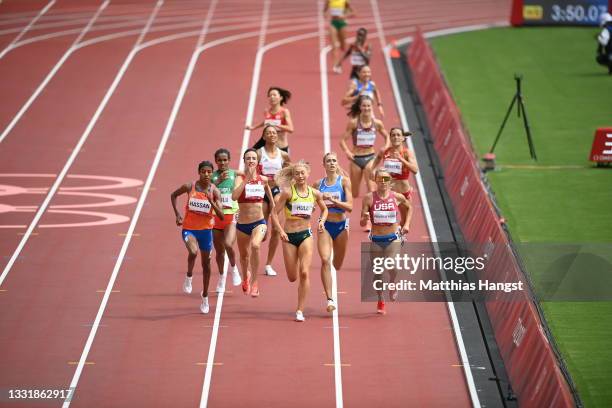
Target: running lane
54,287
273,359
42,141
153,337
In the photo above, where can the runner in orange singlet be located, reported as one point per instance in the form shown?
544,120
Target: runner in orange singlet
203,200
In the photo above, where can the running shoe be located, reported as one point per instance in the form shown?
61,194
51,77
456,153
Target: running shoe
246,287
187,288
204,308
331,305
269,271
337,69
254,290
299,316
393,295
236,280
380,307
221,284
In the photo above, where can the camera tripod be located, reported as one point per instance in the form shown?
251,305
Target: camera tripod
518,97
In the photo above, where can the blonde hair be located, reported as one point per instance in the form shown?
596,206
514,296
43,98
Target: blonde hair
380,170
284,178
340,171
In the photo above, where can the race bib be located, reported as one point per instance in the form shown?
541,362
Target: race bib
273,122
357,59
393,166
226,200
336,12
199,206
365,138
270,168
254,191
301,209
385,217
336,195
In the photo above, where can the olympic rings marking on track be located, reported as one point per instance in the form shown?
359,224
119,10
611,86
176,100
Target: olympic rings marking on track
102,199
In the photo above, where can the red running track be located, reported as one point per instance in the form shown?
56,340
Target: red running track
152,344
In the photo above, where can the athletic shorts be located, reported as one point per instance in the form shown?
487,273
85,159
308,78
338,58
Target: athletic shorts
275,192
220,224
362,161
248,228
338,24
204,238
335,228
383,241
296,238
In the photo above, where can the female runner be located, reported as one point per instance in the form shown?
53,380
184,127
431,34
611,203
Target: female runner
380,207
250,190
399,161
224,231
336,191
203,199
363,85
278,116
339,11
360,52
272,159
297,198
362,128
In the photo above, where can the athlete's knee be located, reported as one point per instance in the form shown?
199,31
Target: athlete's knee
325,262
255,246
303,275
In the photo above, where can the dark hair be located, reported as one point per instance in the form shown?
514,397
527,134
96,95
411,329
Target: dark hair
404,132
221,151
261,142
205,163
284,94
250,149
356,106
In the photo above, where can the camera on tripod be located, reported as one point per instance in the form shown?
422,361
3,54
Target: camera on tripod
489,158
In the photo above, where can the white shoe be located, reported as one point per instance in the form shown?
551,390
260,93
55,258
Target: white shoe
187,284
204,308
221,284
299,316
236,278
337,69
331,305
269,271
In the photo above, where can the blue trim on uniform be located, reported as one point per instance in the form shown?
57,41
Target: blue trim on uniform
383,241
335,228
368,87
248,228
337,186
204,238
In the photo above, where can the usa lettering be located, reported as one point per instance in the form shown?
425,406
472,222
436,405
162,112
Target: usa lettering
383,206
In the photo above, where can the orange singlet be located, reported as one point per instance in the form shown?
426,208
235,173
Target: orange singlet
198,211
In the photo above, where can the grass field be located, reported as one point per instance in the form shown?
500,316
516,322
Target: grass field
561,197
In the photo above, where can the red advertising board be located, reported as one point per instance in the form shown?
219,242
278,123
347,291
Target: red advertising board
530,361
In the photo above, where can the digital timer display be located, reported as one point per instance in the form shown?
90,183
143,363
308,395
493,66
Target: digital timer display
558,12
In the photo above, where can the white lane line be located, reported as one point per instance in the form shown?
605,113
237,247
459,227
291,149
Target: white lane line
324,50
254,85
27,28
143,195
79,145
215,333
50,75
434,238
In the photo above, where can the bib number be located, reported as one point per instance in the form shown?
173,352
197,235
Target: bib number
393,166
385,217
199,206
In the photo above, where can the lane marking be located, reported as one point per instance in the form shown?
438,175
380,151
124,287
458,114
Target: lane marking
104,290
51,74
200,47
336,364
434,238
26,28
77,363
209,364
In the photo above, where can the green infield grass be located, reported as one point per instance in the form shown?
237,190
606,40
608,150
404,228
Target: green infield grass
562,197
